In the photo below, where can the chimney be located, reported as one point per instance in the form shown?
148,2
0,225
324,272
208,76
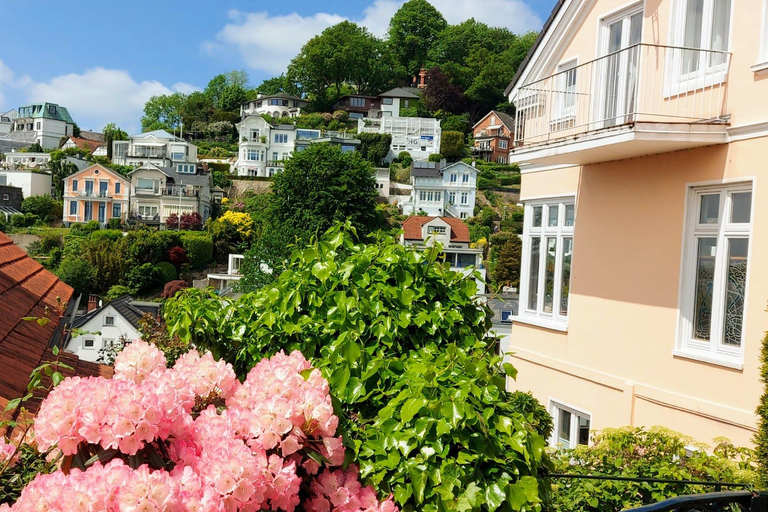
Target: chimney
92,303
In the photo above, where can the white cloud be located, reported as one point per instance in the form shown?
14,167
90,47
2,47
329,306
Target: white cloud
100,96
268,43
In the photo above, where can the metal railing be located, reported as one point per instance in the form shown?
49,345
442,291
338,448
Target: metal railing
643,82
745,501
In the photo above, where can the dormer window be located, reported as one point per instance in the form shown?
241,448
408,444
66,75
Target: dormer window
436,230
52,109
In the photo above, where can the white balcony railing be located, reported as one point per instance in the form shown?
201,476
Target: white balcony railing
640,83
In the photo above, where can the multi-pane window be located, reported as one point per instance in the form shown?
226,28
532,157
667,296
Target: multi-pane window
116,211
706,24
281,138
440,230
503,144
715,272
566,90
464,198
74,185
452,197
547,258
571,426
73,207
465,178
117,187
356,102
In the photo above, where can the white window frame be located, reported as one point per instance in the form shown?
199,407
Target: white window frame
92,347
705,76
562,112
555,406
712,351
107,323
554,320
762,65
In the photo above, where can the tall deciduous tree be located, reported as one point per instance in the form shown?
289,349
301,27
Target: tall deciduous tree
442,94
412,31
277,85
163,112
342,55
112,133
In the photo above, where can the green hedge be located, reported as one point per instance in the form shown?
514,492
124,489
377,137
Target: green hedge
107,234
199,247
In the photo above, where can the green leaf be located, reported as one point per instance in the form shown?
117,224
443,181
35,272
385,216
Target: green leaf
494,496
12,404
510,370
469,498
55,351
419,477
57,378
410,408
321,270
451,413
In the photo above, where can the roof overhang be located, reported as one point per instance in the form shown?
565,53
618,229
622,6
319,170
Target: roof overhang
620,143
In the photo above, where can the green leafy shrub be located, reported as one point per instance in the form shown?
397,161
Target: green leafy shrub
115,292
167,272
114,223
42,206
435,157
638,452
761,436
199,247
109,259
30,463
537,415
146,246
405,158
374,147
143,278
86,229
452,145
112,235
403,343
77,273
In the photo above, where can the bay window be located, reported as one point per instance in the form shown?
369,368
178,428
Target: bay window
714,274
546,268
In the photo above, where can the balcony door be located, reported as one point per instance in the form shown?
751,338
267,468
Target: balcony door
620,40
102,212
88,215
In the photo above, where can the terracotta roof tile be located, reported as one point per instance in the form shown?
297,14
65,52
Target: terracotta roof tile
28,290
412,228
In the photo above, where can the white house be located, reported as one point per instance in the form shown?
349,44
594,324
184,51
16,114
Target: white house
42,123
21,160
275,105
107,325
382,181
157,147
157,192
440,190
393,100
419,136
263,148
453,235
6,121
31,183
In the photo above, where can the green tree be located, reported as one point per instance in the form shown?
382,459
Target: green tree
197,110
506,269
112,133
77,273
163,112
374,147
413,30
452,145
44,207
761,436
344,58
35,148
277,85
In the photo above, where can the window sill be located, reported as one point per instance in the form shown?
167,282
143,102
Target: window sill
726,362
546,323
760,69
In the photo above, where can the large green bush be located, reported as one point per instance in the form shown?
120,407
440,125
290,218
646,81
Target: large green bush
77,273
403,343
642,453
167,272
199,247
45,207
143,279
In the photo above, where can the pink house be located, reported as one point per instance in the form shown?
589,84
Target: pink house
95,193
641,132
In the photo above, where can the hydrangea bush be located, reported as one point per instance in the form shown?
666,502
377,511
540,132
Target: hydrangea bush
193,438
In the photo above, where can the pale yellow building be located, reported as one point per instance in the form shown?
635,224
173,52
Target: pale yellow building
641,131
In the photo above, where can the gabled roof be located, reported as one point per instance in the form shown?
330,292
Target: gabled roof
28,290
412,228
94,136
82,143
536,44
399,92
505,119
123,306
101,168
157,134
461,164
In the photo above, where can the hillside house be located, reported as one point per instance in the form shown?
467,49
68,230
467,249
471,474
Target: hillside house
275,105
493,134
157,147
158,192
442,190
453,235
95,193
42,123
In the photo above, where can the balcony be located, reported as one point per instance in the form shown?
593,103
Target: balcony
95,195
641,100
180,191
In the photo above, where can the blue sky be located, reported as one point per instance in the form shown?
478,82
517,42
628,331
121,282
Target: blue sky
103,60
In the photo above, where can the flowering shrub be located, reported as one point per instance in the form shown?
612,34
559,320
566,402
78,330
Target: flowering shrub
192,437
240,220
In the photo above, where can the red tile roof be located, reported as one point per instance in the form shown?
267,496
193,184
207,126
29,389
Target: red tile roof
88,144
412,228
26,290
